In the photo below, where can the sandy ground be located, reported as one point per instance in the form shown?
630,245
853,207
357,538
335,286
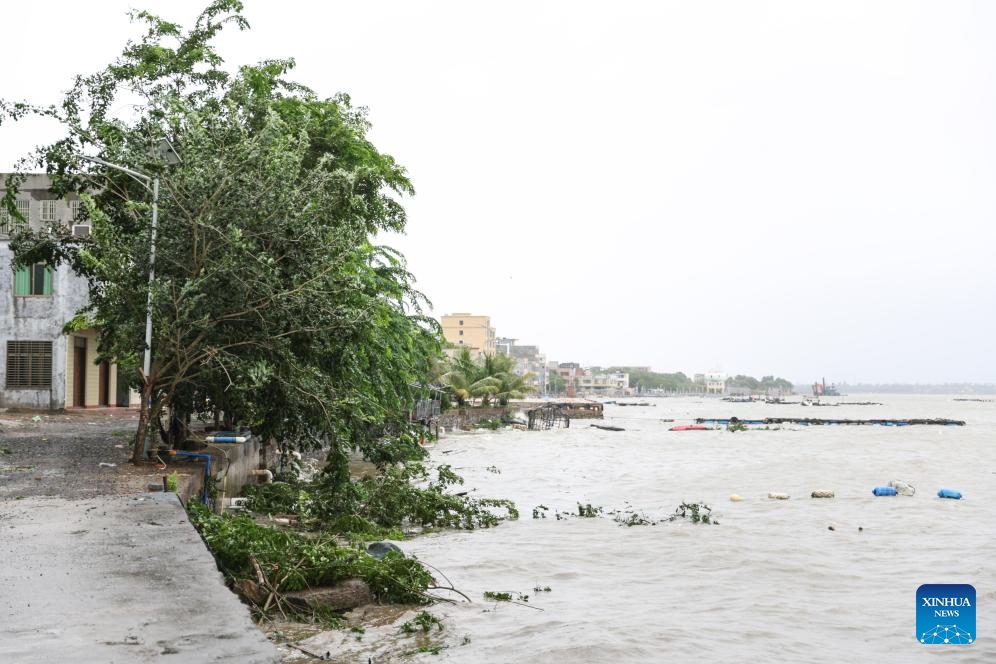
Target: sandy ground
73,455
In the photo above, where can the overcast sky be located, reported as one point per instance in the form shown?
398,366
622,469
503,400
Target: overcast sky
803,189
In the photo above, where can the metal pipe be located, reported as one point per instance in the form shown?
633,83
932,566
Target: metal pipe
268,474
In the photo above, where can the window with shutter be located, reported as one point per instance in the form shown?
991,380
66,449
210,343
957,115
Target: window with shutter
29,364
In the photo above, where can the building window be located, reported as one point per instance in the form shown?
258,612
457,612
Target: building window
29,364
33,280
461,322
8,221
47,212
75,208
461,333
461,342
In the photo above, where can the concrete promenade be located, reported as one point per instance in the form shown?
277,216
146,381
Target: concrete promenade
121,579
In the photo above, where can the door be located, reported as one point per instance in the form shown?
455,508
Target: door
104,385
79,372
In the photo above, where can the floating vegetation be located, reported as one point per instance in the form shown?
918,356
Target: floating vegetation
541,589
539,512
736,426
633,519
423,622
493,469
588,512
694,512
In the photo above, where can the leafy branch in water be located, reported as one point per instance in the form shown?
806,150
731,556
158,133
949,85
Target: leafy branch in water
400,497
694,512
423,622
588,512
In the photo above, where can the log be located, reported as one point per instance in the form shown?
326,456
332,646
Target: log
347,594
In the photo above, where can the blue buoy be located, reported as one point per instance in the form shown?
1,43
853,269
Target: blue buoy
949,493
884,491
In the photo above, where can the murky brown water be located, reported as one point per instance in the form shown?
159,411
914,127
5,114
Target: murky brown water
771,583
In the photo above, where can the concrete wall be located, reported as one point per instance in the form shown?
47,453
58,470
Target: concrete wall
466,418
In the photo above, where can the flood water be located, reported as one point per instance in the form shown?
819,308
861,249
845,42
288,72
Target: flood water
770,583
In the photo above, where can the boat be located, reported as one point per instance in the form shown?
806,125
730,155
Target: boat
821,389
689,427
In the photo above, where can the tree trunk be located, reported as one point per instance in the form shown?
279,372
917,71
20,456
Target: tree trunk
145,418
138,449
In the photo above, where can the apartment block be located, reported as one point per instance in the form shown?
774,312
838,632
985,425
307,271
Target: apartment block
471,331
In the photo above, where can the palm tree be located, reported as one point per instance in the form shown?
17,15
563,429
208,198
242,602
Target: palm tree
514,386
463,373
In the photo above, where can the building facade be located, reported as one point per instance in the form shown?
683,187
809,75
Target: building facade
43,368
471,331
614,384
715,383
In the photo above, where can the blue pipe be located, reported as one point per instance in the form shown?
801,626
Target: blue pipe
207,469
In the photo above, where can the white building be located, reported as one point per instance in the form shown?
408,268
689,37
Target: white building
715,383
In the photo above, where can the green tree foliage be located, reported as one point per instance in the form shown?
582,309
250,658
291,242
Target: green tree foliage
764,385
270,302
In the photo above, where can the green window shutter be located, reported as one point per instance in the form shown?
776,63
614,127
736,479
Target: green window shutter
22,281
47,282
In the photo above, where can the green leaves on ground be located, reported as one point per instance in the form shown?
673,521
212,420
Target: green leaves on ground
295,561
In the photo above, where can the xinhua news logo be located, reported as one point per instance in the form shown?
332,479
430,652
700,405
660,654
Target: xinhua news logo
945,614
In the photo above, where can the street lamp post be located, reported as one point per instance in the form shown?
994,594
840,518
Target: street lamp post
145,181
165,152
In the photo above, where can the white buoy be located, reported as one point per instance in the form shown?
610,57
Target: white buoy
734,498
778,496
822,493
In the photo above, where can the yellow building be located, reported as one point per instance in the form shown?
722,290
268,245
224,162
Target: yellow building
471,331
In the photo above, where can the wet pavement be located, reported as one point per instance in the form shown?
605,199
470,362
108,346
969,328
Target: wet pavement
115,579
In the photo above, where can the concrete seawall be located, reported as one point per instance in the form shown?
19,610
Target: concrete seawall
116,579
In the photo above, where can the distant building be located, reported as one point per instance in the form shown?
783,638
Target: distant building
715,383
43,368
529,362
469,330
614,384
